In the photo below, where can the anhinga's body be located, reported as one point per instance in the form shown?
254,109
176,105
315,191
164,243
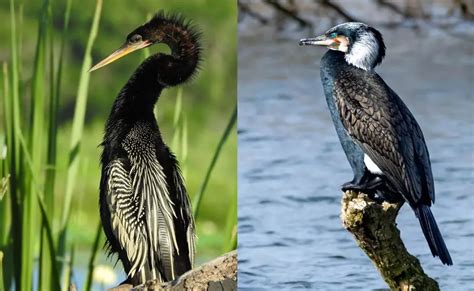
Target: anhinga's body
145,210
381,138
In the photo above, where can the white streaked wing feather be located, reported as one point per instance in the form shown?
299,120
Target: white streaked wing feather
125,222
149,182
186,213
153,209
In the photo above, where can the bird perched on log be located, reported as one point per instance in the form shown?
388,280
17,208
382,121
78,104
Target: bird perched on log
145,210
382,140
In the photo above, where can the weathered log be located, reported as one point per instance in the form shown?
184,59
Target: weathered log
218,274
375,230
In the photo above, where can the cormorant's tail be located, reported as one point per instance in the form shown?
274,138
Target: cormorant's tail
432,234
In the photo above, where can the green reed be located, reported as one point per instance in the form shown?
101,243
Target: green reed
198,197
31,149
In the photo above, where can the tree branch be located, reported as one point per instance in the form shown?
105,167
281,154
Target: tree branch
339,10
218,274
374,228
244,9
292,14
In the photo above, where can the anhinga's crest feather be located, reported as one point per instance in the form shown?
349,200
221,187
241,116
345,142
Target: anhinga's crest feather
180,23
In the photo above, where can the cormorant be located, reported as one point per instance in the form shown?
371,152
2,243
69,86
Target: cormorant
144,207
382,140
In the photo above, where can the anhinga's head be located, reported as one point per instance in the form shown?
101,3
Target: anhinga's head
362,45
172,29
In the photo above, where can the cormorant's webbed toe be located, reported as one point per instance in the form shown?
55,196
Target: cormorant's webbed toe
366,186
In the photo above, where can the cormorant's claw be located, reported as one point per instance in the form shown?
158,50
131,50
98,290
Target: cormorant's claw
365,187
370,188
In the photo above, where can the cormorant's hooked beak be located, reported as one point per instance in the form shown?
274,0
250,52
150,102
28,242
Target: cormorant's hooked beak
121,52
322,40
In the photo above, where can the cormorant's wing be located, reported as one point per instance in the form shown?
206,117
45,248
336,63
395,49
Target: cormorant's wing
377,119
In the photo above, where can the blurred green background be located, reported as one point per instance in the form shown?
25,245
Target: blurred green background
207,104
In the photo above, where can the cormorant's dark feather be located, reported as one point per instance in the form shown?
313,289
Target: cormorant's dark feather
432,234
380,122
371,120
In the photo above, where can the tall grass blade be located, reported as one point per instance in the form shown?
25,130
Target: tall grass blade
78,124
2,283
14,156
177,117
230,242
90,270
80,111
36,143
55,285
5,214
70,269
53,113
184,147
225,135
55,92
5,203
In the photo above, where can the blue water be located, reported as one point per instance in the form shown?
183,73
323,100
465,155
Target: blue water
291,165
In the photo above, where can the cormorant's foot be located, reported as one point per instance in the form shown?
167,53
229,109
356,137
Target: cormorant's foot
350,186
367,187
389,196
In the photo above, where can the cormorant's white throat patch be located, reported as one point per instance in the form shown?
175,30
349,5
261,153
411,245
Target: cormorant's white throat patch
371,166
364,52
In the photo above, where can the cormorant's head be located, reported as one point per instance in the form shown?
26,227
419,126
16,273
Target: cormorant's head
362,45
162,28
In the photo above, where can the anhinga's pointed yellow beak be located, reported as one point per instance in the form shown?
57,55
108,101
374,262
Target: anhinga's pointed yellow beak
121,52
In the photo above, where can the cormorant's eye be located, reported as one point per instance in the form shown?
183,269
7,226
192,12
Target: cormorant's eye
135,38
333,35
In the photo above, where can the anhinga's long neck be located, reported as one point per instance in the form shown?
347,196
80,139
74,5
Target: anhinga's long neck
137,98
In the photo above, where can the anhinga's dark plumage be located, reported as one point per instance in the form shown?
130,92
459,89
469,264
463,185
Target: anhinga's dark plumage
381,138
145,210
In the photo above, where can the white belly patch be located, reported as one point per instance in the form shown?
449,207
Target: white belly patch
371,166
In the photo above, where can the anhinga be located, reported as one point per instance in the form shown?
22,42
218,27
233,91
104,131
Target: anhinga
381,138
144,207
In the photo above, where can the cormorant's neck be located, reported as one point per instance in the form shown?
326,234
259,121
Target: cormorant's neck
333,61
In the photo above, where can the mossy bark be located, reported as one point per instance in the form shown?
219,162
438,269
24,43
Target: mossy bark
375,230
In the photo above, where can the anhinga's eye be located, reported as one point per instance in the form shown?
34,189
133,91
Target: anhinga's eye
135,38
333,35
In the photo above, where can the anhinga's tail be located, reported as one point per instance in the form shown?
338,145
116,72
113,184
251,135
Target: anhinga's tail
432,234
